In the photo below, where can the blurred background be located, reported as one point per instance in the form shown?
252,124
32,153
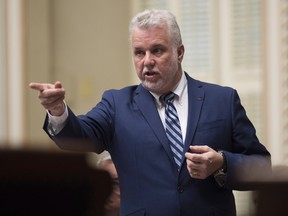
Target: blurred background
84,44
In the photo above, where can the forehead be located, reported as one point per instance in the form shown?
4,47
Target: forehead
150,36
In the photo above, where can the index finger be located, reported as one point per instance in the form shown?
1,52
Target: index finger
199,148
197,158
39,86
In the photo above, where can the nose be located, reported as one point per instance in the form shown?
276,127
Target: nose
149,61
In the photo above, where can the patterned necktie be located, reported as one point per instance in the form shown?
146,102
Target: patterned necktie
173,128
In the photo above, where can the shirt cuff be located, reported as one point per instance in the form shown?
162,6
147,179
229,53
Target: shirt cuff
57,123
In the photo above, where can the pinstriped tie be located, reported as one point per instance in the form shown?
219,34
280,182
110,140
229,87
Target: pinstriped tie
173,128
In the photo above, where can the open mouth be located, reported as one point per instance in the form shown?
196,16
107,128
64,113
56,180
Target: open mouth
150,73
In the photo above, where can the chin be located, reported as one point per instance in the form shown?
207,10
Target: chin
151,87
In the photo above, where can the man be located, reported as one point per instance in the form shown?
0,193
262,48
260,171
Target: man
175,154
112,207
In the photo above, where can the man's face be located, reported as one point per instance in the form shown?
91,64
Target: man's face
156,59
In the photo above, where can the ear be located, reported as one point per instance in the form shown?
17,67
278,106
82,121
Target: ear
180,53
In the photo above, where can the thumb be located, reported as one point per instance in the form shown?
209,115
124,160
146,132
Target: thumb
58,84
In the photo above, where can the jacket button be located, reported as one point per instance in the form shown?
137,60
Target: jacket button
180,189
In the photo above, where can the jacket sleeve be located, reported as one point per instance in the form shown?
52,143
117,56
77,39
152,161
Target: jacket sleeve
91,132
249,161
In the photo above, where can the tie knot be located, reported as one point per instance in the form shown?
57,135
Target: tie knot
167,97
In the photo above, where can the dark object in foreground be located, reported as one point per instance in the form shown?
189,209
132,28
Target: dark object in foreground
46,183
271,196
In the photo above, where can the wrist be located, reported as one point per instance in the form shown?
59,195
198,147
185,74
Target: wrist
224,163
220,175
58,110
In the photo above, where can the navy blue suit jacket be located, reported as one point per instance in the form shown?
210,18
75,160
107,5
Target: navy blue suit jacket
127,124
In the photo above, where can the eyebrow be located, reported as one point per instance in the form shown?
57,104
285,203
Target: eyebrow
151,47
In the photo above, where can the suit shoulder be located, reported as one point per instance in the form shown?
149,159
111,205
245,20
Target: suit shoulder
213,86
125,91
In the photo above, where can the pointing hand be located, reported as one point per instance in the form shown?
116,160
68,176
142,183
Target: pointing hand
51,97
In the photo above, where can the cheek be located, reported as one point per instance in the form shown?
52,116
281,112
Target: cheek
138,66
167,60
138,69
166,65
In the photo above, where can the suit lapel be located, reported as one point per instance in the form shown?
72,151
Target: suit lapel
147,106
195,100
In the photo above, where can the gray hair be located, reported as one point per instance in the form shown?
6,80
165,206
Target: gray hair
154,18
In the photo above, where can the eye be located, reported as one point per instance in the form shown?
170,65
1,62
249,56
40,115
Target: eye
139,53
158,51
